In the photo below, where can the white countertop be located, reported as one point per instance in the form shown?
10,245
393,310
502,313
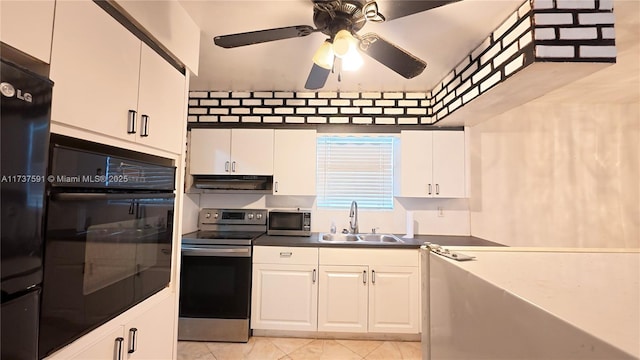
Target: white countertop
598,292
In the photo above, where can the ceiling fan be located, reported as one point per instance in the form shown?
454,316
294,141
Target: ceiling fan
341,20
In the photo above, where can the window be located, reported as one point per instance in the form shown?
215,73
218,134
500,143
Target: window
356,168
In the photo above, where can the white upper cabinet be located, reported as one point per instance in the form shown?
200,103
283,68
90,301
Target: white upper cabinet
231,152
161,100
108,82
95,64
432,164
294,169
27,26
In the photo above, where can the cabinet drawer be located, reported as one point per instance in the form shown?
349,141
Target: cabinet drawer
285,255
387,257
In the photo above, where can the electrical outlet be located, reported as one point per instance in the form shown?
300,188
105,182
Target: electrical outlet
440,212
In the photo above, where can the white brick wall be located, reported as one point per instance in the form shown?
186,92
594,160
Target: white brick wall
540,30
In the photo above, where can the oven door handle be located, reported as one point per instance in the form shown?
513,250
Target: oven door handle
109,196
209,251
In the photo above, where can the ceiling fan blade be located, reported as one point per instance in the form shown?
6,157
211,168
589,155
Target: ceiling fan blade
391,56
260,36
317,78
393,9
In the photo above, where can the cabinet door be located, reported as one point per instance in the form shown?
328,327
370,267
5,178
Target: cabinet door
342,303
393,300
106,347
416,163
151,335
284,297
95,64
294,168
209,152
27,26
161,99
448,164
252,151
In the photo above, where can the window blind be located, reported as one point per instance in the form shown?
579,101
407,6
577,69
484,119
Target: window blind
355,168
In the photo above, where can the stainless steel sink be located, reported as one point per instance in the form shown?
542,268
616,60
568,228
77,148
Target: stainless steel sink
360,238
339,237
384,238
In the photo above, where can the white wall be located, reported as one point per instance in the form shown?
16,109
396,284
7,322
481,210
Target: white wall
564,170
558,175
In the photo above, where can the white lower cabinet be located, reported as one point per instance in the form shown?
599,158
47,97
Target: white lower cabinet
369,290
355,290
343,298
284,288
147,335
394,299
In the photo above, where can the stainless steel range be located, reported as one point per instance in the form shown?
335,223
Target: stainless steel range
215,280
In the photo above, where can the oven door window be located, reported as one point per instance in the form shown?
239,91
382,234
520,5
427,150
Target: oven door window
216,287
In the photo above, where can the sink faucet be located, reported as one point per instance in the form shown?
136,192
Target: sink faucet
353,218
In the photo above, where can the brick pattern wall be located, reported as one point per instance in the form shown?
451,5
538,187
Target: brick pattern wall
574,30
538,31
285,107
506,51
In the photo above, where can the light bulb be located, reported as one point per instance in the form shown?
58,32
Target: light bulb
324,55
343,42
352,60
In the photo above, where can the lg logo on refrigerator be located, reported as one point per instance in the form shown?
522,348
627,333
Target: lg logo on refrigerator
9,91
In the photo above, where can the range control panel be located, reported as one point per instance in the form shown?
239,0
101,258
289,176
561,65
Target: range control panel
233,216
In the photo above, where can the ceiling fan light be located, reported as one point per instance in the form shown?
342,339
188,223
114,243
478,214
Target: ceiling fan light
343,42
352,60
324,55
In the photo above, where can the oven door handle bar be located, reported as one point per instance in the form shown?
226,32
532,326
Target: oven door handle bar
109,196
207,251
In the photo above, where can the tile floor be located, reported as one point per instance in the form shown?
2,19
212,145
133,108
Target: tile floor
271,348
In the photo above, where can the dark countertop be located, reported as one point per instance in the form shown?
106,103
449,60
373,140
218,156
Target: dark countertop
312,241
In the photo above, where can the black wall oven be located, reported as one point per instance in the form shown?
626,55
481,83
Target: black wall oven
109,226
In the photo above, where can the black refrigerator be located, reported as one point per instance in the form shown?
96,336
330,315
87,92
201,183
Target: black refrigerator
25,115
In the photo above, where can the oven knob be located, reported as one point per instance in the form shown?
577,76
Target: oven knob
208,216
215,216
250,216
258,216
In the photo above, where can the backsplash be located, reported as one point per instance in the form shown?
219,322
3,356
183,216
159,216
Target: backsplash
431,216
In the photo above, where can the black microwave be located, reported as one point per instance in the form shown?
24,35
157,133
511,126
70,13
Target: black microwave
289,223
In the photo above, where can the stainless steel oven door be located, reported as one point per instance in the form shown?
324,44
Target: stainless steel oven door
215,293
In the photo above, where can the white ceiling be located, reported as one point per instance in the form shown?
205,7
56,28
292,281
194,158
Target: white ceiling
441,36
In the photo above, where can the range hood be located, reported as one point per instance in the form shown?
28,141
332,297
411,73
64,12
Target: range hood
249,183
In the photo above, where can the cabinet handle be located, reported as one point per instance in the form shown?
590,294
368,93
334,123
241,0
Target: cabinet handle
313,278
276,187
286,254
233,166
373,276
226,166
119,341
133,340
364,276
429,189
145,125
131,122
437,189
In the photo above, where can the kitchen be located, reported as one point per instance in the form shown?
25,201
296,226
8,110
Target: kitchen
560,143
